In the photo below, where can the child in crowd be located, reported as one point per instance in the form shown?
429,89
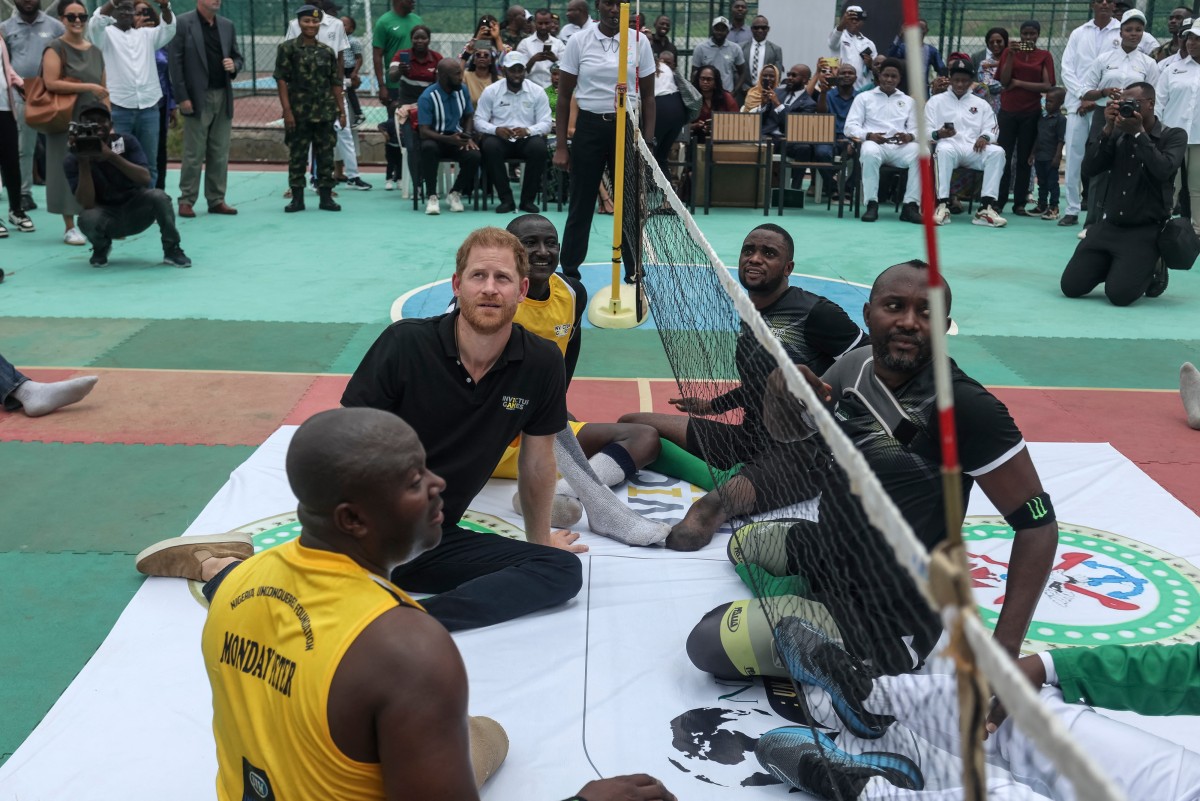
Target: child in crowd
353,57
1047,154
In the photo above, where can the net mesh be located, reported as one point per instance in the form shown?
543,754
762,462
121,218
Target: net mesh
836,625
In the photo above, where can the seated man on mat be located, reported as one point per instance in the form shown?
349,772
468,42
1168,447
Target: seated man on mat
110,177
310,706
553,309
814,331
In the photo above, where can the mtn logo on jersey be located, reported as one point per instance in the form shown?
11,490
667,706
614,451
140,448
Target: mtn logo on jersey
512,403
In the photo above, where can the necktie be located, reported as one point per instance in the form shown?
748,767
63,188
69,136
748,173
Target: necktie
754,61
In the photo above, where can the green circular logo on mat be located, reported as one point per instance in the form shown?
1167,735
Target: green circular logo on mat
1103,588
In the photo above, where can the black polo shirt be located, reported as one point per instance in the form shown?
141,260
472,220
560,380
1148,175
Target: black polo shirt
413,371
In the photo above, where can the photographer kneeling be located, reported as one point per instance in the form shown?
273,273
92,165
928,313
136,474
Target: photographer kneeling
111,180
1140,155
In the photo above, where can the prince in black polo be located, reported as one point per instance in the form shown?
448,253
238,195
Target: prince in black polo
414,370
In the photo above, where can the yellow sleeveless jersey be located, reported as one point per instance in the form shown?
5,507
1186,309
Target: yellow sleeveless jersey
552,318
276,631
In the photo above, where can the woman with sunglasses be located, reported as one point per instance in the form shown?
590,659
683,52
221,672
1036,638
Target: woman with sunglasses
70,65
144,16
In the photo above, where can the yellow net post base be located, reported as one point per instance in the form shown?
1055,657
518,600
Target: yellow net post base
605,311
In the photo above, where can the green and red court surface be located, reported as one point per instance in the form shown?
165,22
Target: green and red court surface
199,366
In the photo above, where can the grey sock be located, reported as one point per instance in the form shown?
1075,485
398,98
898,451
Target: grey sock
606,469
607,516
1189,390
565,511
39,399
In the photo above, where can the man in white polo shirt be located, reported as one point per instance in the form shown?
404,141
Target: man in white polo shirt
540,50
130,72
513,116
964,128
578,19
847,43
1099,34
884,121
588,71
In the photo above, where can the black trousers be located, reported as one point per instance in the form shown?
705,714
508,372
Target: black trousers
531,150
483,579
468,164
592,151
161,157
10,161
1122,258
671,116
1018,133
102,224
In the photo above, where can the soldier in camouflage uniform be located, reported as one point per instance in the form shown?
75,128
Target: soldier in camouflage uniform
309,77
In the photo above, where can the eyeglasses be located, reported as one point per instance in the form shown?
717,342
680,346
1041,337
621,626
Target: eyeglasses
760,27
75,17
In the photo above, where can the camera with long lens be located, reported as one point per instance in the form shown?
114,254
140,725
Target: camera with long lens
85,137
1127,108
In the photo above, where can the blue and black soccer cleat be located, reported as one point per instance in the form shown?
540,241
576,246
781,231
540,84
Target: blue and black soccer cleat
810,761
812,658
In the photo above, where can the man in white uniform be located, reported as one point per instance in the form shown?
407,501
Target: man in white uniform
1087,42
847,42
333,34
884,121
964,127
1179,100
540,50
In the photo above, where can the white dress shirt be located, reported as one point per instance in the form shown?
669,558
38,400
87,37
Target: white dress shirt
592,57
972,116
1083,47
664,81
499,108
531,46
1177,96
130,72
875,112
848,47
1116,68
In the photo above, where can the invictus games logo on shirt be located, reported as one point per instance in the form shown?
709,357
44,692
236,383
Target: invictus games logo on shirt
1103,588
513,404
562,330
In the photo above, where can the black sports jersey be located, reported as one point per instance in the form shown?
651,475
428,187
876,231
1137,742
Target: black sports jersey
813,330
413,371
907,457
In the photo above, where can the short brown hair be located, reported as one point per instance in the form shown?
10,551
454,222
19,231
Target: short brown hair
492,237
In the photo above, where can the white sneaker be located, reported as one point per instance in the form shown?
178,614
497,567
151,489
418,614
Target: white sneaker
455,201
75,237
389,185
941,215
988,216
432,206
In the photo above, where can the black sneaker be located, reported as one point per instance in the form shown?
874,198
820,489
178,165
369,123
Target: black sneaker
507,207
27,203
176,257
809,760
357,183
1069,220
910,212
872,212
1158,282
100,256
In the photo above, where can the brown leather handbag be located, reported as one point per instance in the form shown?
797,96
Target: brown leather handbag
46,111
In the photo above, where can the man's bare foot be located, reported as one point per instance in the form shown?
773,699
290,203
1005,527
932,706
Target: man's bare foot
685,537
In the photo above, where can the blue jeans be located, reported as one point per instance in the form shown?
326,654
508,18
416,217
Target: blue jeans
10,379
1047,178
142,124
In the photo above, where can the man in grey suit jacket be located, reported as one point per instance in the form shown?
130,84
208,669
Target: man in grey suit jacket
759,48
202,60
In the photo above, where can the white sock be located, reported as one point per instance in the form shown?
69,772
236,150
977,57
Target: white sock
39,399
606,469
565,511
607,516
1189,390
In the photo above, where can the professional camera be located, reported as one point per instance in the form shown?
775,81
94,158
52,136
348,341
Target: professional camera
84,137
1127,108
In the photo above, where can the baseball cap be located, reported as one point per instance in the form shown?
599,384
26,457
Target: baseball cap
1192,27
960,65
1133,14
512,59
95,107
721,21
856,10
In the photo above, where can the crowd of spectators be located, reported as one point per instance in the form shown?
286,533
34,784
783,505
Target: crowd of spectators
491,106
